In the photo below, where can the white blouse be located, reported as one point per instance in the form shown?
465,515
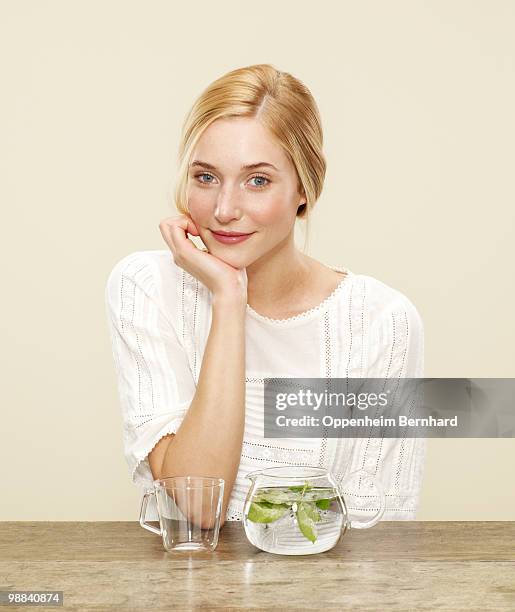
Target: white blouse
159,319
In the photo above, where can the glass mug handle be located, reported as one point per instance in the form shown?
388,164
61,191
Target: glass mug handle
380,494
143,512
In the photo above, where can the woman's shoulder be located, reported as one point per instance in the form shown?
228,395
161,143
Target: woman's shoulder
154,273
143,267
382,300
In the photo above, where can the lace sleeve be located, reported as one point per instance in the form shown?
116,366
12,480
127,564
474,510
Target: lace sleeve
155,384
397,347
398,352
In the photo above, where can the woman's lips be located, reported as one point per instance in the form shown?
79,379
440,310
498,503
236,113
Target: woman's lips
230,239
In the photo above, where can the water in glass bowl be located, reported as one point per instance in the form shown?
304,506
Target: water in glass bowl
296,520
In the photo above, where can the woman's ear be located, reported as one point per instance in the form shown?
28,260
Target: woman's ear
302,193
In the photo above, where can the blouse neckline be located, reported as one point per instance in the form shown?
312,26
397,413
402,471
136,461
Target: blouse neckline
312,312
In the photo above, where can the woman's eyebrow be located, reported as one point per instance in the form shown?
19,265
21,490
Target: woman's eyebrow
197,162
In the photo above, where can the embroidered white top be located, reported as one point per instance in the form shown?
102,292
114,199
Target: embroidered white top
159,319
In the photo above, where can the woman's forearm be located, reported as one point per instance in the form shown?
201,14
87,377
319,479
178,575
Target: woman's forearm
209,440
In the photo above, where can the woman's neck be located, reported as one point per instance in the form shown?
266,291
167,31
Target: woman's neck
279,277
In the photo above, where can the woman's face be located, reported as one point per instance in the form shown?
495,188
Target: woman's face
224,195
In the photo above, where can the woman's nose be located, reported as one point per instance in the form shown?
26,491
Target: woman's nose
227,208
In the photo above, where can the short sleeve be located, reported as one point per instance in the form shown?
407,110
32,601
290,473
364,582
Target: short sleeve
396,350
397,347
155,384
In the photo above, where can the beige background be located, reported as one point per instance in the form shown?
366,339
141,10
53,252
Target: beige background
417,104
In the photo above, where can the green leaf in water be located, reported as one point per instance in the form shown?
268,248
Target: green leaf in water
323,504
311,511
273,496
266,512
306,524
316,494
305,487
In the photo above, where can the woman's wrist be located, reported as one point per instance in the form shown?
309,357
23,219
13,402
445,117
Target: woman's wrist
232,302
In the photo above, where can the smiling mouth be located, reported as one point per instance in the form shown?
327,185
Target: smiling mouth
222,233
230,237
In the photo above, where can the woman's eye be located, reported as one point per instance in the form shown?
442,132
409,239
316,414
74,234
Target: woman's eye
204,174
262,181
260,178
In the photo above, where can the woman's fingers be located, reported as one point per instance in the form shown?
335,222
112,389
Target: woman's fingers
174,231
217,275
192,228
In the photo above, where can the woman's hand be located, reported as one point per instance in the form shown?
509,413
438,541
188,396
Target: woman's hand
222,279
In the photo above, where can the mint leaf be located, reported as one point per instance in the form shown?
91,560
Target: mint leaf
266,512
306,524
273,496
311,511
323,504
305,487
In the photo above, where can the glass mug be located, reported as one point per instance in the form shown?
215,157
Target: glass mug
301,510
189,510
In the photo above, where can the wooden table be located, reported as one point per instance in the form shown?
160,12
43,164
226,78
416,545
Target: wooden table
396,565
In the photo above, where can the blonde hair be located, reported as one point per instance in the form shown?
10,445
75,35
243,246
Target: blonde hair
282,103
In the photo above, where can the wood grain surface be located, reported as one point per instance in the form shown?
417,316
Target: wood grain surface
396,565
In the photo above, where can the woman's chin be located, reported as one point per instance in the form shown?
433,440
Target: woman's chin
229,256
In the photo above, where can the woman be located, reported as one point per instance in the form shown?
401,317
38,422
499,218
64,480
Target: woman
196,330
